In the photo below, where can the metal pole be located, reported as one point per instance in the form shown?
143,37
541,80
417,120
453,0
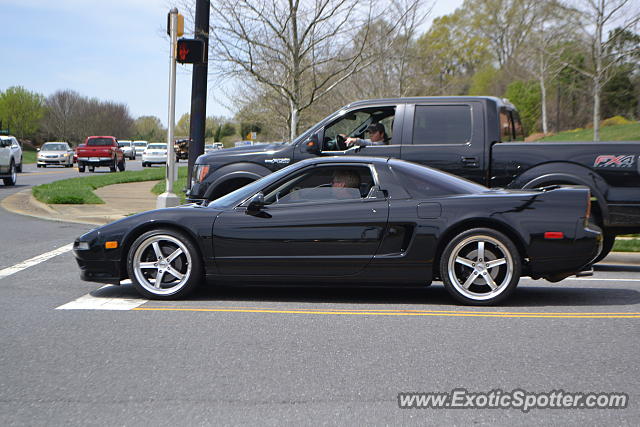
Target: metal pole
199,88
168,198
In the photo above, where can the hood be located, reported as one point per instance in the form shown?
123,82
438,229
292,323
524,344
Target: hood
246,150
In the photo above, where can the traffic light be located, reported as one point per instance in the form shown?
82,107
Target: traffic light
190,51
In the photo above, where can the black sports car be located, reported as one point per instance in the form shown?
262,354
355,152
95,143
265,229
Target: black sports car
360,220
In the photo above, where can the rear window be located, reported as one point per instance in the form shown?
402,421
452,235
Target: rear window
157,146
421,181
140,144
100,141
442,124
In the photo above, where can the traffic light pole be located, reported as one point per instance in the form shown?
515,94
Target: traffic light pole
168,198
199,88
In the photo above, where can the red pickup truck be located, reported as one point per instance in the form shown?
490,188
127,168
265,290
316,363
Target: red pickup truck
100,151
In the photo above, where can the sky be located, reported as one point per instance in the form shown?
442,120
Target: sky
113,50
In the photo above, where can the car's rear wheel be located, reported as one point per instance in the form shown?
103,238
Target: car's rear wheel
13,175
480,266
164,264
80,168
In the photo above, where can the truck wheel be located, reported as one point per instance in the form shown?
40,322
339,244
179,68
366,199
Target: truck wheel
13,177
608,240
121,165
92,168
480,266
81,169
113,166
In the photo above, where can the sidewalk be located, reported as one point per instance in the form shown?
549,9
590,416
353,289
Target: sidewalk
120,200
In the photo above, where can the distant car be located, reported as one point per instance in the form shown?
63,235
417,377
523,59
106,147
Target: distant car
218,145
140,146
155,153
208,148
55,153
352,219
10,159
127,148
181,146
100,151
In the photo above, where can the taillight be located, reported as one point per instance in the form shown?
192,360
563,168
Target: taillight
587,214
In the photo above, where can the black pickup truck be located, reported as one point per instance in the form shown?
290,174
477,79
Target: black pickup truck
478,138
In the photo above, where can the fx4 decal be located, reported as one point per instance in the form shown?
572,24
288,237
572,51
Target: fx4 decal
282,161
608,160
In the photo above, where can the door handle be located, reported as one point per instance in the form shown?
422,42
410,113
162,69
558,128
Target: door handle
470,162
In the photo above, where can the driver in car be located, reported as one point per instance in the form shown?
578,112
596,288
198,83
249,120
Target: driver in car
344,182
377,136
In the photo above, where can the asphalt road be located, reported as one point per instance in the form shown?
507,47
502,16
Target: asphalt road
73,353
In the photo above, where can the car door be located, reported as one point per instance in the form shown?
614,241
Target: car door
305,231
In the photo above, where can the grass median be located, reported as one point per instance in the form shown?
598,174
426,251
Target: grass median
80,190
627,245
178,186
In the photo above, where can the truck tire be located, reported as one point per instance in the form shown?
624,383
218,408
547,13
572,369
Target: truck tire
81,168
121,165
608,240
114,165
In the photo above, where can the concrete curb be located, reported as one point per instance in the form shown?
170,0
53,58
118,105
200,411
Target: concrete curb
622,258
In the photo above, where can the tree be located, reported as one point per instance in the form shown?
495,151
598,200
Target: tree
21,111
149,128
182,129
526,96
300,50
594,17
60,120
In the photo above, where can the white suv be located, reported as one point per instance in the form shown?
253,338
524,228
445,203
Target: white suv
10,159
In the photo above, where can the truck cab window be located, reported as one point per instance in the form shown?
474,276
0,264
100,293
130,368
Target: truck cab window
355,123
506,126
442,124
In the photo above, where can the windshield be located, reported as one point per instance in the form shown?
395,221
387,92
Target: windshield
124,143
242,193
54,147
140,144
157,146
100,141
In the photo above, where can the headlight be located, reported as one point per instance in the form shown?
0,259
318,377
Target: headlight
83,246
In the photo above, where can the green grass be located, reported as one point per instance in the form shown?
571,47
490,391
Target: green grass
80,190
608,133
178,185
29,157
631,245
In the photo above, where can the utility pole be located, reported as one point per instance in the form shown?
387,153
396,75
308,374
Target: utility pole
168,198
199,88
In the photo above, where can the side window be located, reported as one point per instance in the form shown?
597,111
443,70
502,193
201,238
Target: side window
517,126
321,184
355,123
442,124
506,126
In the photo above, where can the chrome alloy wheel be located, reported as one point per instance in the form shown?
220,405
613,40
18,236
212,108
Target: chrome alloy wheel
480,267
162,264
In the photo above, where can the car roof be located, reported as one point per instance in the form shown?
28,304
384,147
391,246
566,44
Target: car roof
344,159
418,99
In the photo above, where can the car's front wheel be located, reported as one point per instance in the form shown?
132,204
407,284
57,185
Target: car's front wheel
480,266
164,264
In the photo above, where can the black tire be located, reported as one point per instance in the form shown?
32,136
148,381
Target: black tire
465,273
144,165
19,166
38,165
92,168
13,177
187,263
114,165
81,169
121,165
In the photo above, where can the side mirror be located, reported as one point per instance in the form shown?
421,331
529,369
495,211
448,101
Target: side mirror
312,145
255,203
38,149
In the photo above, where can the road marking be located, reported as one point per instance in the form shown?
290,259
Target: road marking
27,174
90,302
405,313
34,261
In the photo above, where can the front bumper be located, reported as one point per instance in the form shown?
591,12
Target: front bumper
154,159
98,266
59,161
